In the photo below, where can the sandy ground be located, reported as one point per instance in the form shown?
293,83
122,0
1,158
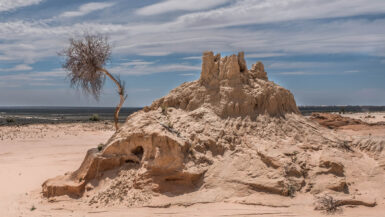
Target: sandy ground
31,154
371,117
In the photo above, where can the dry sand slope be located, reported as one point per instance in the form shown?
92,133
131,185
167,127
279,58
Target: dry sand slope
229,144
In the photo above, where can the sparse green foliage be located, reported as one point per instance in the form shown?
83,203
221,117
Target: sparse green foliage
169,124
10,120
95,117
289,190
33,208
370,116
293,158
100,147
164,110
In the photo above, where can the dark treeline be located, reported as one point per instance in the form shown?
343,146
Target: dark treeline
31,115
306,110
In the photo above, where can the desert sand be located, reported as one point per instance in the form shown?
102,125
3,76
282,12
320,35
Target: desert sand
232,143
369,117
33,153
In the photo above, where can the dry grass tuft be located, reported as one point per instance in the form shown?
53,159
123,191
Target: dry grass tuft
327,204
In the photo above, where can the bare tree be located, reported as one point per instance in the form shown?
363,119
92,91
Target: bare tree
85,61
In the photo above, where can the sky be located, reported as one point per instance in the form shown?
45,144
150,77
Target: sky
326,52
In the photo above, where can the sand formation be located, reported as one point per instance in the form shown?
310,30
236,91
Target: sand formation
232,135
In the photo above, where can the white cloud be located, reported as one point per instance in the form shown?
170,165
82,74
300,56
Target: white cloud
53,78
188,74
29,42
137,63
297,65
296,73
155,53
179,5
7,5
145,69
264,55
312,72
20,67
33,76
87,8
192,58
265,11
177,67
33,41
308,68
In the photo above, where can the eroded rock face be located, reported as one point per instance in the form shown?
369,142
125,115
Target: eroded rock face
231,90
230,134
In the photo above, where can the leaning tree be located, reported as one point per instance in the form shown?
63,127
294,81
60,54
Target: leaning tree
85,59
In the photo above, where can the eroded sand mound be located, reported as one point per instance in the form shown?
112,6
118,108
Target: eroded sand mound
230,90
230,136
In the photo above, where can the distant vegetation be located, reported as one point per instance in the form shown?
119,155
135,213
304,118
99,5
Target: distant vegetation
48,115
305,110
10,120
95,117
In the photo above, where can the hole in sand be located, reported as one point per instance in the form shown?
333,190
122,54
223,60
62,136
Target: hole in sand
138,151
172,179
131,161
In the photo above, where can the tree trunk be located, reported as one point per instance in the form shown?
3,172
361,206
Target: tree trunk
121,94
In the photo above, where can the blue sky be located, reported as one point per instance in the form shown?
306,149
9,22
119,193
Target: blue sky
327,52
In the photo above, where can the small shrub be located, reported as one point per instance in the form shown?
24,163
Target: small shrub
164,110
345,145
95,117
169,125
289,190
33,208
100,146
327,204
10,120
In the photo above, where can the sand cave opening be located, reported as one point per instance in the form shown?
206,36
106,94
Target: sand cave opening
138,152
